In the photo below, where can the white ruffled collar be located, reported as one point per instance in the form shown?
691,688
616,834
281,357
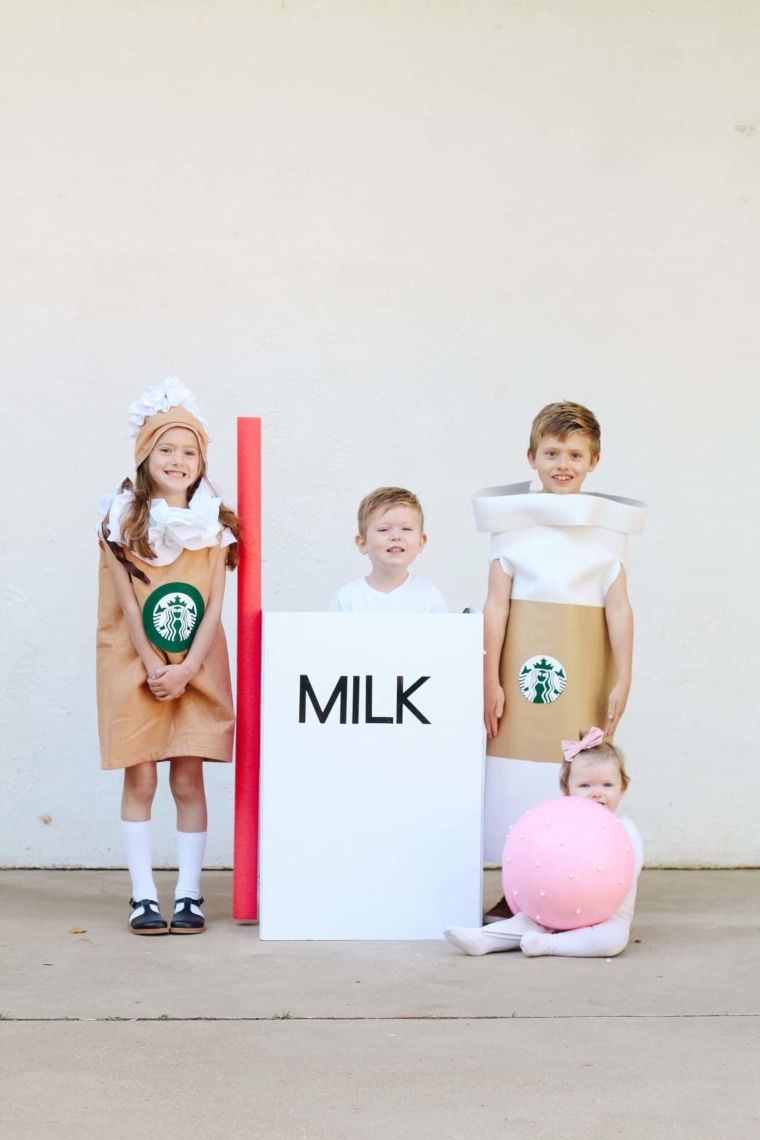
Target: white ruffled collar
170,529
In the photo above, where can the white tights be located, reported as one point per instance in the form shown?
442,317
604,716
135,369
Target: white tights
521,933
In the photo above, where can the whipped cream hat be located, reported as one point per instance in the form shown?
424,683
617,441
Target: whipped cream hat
166,405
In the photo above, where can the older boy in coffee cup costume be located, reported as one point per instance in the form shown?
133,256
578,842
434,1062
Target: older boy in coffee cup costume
558,622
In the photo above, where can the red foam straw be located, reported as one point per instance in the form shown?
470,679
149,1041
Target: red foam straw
245,893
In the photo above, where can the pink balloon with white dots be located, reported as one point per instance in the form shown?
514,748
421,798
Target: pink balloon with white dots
568,862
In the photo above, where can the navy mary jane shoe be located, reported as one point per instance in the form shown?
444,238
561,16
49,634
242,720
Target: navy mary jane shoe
146,917
188,917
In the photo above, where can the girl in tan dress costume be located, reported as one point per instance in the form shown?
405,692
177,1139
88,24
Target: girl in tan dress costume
163,675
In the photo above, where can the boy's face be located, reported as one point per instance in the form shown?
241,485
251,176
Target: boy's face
394,537
600,782
563,464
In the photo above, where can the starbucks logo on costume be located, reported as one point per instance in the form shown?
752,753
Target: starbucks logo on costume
542,679
171,616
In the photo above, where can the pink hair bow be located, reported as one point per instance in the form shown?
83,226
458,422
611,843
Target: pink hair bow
571,748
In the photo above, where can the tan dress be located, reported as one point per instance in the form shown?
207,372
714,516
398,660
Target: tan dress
133,725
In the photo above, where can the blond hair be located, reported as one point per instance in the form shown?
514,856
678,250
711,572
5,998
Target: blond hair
563,419
382,500
590,756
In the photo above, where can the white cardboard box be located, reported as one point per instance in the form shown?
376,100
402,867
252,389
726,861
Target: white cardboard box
371,775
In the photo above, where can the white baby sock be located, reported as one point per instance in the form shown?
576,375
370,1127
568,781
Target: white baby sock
191,847
137,846
476,940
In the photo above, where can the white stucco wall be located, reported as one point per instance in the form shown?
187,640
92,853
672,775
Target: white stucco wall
394,230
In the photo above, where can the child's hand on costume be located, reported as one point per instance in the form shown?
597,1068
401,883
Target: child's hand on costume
168,682
615,708
493,707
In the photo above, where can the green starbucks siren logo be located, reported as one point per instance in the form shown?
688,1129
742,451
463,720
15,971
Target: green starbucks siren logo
171,616
542,680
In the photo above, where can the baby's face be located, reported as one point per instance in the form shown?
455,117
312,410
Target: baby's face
600,782
563,464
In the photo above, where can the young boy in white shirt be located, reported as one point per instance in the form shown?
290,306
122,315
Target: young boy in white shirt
391,534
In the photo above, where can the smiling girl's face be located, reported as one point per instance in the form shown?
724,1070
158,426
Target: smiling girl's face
174,464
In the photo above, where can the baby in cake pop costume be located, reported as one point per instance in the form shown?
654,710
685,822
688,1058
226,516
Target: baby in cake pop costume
595,770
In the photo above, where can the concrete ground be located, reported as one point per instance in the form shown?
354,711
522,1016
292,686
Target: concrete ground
111,1036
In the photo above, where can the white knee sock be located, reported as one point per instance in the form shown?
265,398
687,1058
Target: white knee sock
191,846
137,846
